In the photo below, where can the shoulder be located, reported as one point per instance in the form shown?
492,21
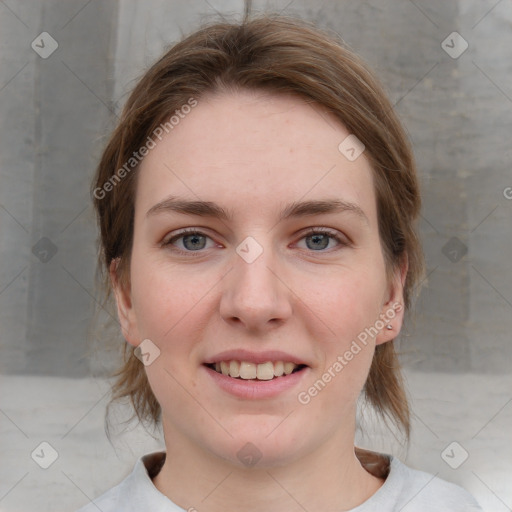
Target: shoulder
136,492
418,491
110,501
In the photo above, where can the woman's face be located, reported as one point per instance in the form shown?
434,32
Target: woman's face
261,282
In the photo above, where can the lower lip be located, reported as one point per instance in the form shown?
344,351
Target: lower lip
256,389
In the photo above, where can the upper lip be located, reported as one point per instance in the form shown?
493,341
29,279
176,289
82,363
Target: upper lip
255,357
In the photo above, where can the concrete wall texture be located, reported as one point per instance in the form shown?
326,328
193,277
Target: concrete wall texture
56,109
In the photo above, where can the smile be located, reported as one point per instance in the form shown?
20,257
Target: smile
252,371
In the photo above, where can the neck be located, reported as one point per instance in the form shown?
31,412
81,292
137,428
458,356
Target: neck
330,478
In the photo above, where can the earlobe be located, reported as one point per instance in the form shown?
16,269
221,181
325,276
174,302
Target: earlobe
392,316
393,310
124,305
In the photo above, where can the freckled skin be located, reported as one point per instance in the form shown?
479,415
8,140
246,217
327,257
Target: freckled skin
253,154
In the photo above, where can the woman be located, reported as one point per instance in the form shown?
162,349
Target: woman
257,207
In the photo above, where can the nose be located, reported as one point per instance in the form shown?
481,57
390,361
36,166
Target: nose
255,294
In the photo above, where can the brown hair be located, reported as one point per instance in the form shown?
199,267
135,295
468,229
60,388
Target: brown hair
279,55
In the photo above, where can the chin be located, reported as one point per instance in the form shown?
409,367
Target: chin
260,448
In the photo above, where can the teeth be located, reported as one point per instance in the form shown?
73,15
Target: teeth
224,368
265,371
288,368
278,368
234,369
248,371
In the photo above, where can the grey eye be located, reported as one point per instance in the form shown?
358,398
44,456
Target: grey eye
318,241
194,242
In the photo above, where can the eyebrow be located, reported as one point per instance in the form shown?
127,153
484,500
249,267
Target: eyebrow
295,209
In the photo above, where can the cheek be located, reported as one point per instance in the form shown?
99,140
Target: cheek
349,305
348,301
165,299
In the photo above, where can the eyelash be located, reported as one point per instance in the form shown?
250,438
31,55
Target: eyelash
192,231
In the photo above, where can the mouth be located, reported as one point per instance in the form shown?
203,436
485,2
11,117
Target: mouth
244,370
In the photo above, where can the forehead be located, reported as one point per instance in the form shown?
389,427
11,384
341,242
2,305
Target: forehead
250,150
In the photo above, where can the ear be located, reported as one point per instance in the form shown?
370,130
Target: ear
125,311
393,310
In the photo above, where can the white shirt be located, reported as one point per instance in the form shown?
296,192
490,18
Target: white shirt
404,490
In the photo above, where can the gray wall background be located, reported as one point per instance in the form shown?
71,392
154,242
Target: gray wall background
55,113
